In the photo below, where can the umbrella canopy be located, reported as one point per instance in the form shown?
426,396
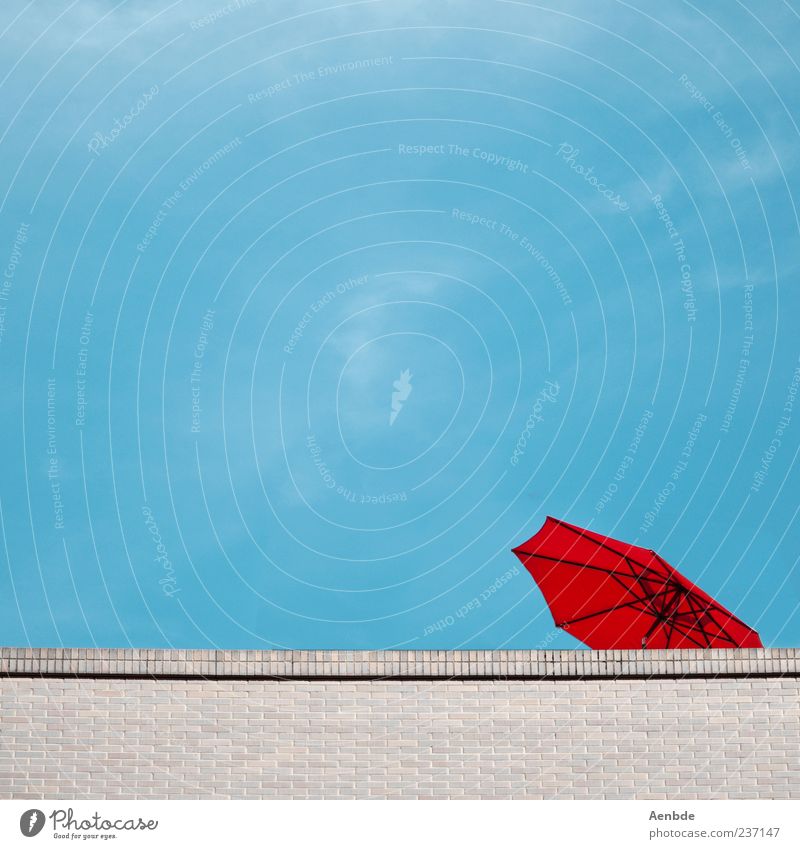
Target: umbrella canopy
612,595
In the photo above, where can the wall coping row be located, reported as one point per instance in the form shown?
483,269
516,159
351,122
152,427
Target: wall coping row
535,664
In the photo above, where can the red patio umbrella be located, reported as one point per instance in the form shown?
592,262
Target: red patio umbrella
613,595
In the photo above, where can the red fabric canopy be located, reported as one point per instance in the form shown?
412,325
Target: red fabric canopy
612,595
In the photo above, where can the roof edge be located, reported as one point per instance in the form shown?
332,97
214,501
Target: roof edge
527,664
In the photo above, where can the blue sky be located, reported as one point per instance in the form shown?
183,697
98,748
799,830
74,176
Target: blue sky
309,313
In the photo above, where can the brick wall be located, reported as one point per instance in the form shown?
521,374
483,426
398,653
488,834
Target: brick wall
107,724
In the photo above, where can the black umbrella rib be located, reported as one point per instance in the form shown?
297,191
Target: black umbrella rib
613,550
675,601
715,607
715,604
606,610
671,630
721,632
698,611
573,563
618,578
653,593
659,620
681,628
614,573
696,623
689,637
697,606
686,627
675,620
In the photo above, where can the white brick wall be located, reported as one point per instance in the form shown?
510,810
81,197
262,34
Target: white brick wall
724,734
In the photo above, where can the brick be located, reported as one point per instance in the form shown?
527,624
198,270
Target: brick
419,725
